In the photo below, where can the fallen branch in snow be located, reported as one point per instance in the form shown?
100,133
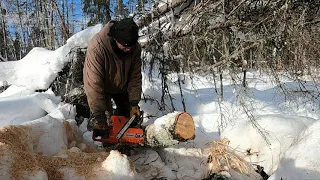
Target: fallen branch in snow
3,59
256,125
220,157
222,161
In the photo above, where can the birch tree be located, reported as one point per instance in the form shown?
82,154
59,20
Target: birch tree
4,54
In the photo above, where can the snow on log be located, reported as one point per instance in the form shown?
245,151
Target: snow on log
170,129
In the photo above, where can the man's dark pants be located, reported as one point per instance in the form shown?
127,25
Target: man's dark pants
122,102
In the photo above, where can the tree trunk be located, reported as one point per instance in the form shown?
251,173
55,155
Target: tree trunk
4,34
28,29
170,130
67,16
108,16
244,70
65,32
22,47
158,12
51,27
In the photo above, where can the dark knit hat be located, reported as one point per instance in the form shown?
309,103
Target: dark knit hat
125,32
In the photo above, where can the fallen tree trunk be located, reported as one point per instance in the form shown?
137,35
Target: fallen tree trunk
158,12
170,130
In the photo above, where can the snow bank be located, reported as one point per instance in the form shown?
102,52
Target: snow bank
149,165
188,163
181,162
47,143
171,163
280,132
16,110
301,160
113,165
52,148
40,66
16,91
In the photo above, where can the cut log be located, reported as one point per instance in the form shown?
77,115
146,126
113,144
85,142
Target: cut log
170,130
184,126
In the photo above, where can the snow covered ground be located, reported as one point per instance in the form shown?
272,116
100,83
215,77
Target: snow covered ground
265,126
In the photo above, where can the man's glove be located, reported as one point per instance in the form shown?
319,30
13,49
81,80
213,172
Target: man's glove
100,124
134,109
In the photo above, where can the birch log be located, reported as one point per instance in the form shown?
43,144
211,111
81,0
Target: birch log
170,130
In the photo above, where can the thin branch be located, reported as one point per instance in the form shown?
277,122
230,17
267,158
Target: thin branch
3,59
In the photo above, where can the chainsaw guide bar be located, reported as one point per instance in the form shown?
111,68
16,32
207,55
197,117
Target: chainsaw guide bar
125,127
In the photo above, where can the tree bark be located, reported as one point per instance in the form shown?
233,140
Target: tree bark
108,16
51,27
65,32
158,12
22,47
4,33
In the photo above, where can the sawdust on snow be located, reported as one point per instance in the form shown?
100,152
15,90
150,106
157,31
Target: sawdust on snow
17,144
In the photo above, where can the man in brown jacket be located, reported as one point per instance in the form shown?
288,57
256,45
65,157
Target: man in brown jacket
112,70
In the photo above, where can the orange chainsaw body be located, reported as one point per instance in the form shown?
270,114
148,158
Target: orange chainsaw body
132,135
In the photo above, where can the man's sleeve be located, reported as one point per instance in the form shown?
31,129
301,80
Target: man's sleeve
135,79
93,78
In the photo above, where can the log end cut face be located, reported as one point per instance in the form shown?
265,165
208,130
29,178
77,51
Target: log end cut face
184,128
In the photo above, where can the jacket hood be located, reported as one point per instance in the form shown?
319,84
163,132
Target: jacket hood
105,34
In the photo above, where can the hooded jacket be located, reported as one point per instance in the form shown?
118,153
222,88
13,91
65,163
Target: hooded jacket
108,71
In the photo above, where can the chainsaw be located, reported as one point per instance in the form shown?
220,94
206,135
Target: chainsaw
123,131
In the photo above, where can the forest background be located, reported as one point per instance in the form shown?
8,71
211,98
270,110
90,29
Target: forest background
209,37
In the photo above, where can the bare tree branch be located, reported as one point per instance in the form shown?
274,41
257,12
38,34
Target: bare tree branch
3,59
